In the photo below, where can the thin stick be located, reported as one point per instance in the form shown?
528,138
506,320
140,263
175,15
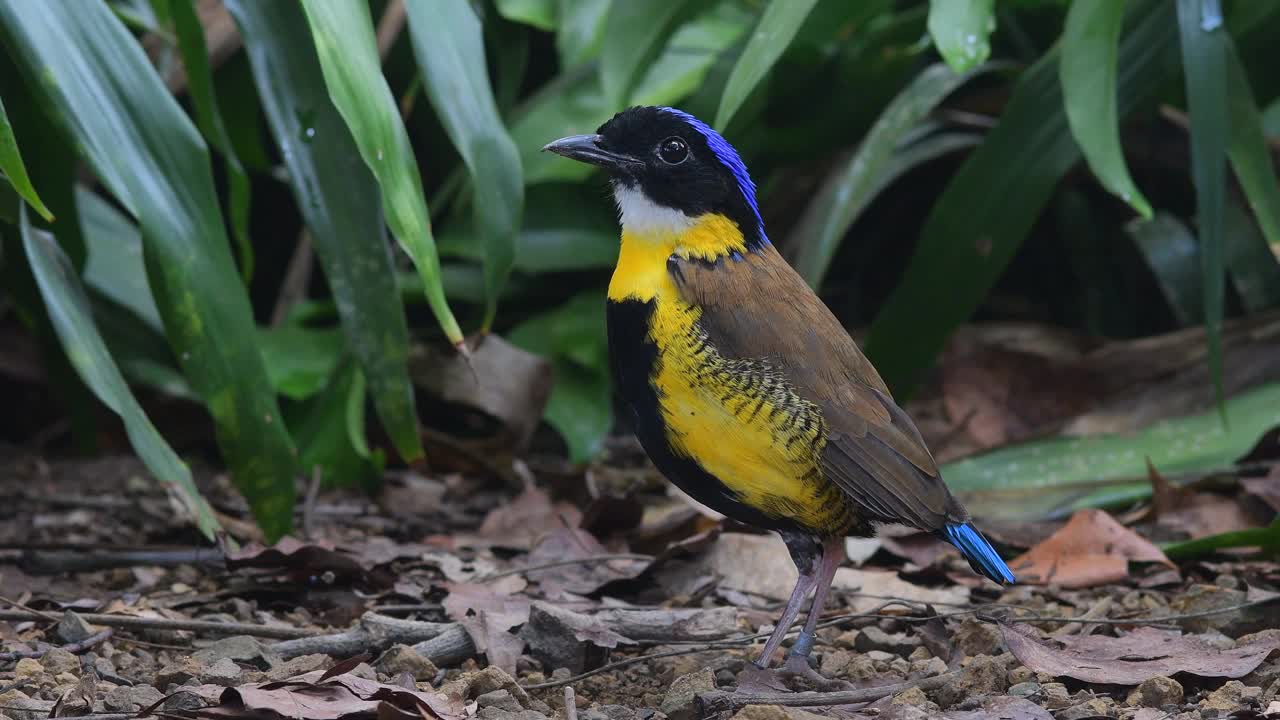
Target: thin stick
73,648
199,626
724,701
33,611
570,704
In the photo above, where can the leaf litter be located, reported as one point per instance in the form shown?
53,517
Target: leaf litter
498,601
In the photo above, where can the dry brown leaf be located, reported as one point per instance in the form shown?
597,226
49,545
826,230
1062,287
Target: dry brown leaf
1140,655
345,697
874,586
756,564
519,523
582,578
1092,549
488,611
304,560
1266,489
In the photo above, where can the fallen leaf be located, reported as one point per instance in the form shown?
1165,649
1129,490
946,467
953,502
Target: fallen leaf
520,523
1130,659
872,588
307,560
344,697
488,612
581,578
1266,489
756,564
1092,549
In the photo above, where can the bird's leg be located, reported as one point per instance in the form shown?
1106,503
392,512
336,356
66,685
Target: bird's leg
833,556
804,552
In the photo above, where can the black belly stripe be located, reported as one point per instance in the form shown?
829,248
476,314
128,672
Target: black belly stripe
633,358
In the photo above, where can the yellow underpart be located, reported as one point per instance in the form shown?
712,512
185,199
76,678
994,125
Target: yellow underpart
738,418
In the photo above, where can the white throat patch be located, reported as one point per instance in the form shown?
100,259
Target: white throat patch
643,216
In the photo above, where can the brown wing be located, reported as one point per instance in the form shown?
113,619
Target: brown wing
759,307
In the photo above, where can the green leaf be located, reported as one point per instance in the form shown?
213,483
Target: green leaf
1254,269
777,27
1055,477
12,169
961,30
146,152
538,13
851,186
991,203
1171,252
581,33
343,35
330,432
448,43
635,32
1204,64
68,307
115,266
573,336
339,200
195,58
1088,74
1248,151
300,360
566,228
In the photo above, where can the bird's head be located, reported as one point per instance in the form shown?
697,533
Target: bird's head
669,170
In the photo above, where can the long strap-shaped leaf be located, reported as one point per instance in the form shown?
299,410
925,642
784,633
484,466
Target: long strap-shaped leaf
993,200
852,184
778,25
449,45
343,33
14,171
146,151
338,197
72,318
1204,66
1088,74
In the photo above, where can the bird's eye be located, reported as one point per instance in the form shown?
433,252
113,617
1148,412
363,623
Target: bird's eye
673,151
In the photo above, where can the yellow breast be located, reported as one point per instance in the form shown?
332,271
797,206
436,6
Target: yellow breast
738,418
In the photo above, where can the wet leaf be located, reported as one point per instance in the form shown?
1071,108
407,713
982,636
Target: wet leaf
72,318
878,161
1092,549
1204,61
1088,74
962,30
145,151
449,46
1132,658
338,198
778,25
12,169
343,34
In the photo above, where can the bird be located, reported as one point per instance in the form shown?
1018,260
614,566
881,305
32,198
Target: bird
743,388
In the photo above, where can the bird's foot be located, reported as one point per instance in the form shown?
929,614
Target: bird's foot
800,676
795,675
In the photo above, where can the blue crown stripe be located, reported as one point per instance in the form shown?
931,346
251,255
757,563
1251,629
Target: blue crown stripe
728,157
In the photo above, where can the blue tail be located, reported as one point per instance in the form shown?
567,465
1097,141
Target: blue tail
981,556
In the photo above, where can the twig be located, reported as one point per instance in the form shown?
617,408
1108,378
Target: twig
570,704
721,701
198,626
33,611
372,632
74,648
560,563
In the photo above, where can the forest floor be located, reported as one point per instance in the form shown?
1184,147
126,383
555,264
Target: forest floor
553,591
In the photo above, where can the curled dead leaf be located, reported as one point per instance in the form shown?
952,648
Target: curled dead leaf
1092,549
1130,659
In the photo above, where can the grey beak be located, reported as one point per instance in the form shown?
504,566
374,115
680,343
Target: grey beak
587,149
